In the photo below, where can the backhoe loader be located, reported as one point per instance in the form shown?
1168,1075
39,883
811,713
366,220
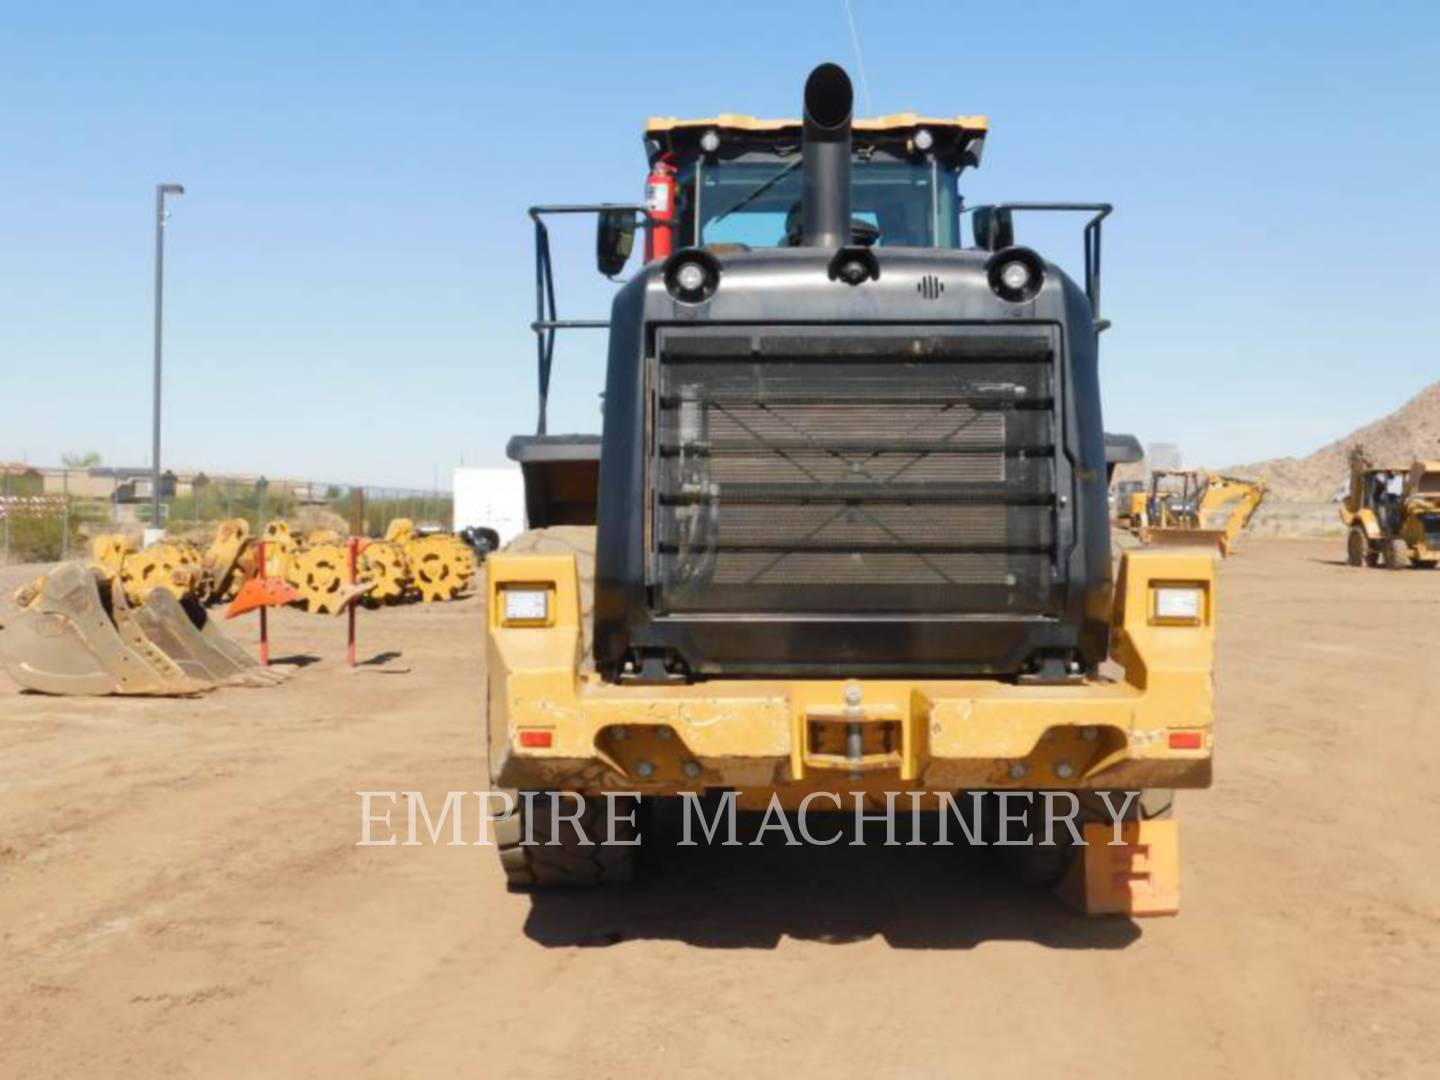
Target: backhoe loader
1191,507
1392,515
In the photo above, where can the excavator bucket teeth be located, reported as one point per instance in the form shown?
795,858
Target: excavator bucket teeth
68,645
166,624
262,592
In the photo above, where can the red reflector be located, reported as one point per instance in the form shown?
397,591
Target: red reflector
535,738
1186,740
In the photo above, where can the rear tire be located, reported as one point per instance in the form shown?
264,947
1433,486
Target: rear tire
1357,547
543,864
577,540
569,862
1395,554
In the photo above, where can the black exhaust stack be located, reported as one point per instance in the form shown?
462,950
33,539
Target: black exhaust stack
825,214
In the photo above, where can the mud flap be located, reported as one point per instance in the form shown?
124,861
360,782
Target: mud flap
68,645
165,623
1141,876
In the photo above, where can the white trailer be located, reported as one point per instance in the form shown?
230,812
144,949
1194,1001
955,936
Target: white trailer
490,498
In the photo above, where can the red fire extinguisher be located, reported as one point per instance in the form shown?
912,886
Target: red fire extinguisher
660,192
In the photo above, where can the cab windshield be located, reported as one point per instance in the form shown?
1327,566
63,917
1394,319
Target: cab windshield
757,203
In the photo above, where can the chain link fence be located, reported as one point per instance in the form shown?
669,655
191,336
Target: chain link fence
53,513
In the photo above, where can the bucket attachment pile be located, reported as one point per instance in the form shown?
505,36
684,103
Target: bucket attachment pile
399,569
228,561
82,634
405,566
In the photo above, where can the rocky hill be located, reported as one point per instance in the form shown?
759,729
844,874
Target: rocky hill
1410,432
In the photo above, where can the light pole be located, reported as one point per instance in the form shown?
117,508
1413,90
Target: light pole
161,190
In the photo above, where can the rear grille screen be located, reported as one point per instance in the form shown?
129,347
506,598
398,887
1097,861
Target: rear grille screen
889,472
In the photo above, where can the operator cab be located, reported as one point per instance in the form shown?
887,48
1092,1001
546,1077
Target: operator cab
1175,495
739,183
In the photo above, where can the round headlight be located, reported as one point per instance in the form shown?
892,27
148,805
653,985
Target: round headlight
1015,275
690,277
924,140
710,141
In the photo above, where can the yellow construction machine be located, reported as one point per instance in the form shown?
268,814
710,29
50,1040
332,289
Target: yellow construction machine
1194,508
1392,515
844,539
1130,502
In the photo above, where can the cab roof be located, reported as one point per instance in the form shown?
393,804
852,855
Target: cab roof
895,122
959,140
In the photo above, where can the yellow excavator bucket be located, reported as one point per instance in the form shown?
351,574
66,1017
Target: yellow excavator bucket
1213,539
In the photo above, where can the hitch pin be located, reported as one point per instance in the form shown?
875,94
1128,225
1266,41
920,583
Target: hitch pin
854,741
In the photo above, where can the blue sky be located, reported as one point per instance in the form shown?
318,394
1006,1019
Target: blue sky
349,275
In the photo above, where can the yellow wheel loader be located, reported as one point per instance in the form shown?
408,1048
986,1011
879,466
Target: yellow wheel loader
1392,515
844,538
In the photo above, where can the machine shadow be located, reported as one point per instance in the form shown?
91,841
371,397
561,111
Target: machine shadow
381,658
752,897
295,660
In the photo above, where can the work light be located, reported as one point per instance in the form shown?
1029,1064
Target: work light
1181,604
526,606
1016,274
692,275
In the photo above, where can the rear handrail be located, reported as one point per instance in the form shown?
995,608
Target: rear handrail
547,318
1092,242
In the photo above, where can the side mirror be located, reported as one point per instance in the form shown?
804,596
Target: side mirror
994,228
614,240
864,233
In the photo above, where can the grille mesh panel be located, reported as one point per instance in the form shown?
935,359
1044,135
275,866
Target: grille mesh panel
853,483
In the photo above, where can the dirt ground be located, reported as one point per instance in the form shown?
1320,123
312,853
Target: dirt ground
181,893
